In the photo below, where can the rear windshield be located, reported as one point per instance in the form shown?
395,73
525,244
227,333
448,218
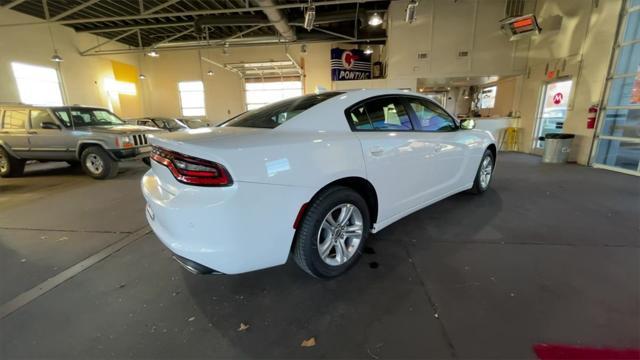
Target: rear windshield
271,116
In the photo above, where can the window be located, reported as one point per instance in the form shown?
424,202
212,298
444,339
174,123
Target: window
192,98
63,115
93,117
15,119
271,116
381,114
37,84
431,117
40,116
259,94
488,97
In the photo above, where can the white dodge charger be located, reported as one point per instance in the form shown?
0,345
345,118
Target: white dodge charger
310,176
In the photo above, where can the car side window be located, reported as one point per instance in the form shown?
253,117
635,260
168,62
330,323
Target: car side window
381,114
63,115
431,117
15,119
40,116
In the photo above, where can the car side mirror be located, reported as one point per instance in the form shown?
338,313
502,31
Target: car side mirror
467,124
50,126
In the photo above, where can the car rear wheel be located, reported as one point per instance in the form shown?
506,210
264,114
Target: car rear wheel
332,233
10,166
97,163
484,174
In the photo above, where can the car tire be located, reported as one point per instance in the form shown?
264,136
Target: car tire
315,234
484,174
97,163
10,166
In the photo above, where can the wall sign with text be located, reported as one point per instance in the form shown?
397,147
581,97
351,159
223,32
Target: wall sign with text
351,64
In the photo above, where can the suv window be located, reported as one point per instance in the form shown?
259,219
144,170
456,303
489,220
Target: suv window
63,115
94,117
381,114
40,116
431,117
15,119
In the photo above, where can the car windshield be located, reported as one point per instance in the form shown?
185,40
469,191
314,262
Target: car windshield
194,123
271,116
167,123
91,117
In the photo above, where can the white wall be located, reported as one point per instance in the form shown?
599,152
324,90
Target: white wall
224,94
83,77
442,29
580,50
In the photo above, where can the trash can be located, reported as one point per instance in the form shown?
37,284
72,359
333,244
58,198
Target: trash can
556,147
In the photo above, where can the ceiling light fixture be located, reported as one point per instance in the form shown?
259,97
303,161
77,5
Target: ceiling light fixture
210,72
303,49
141,76
368,50
153,53
411,12
309,16
226,44
225,52
375,19
55,57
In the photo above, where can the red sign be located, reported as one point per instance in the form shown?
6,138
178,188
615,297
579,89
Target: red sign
557,98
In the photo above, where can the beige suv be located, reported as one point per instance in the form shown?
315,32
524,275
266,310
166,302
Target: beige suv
92,137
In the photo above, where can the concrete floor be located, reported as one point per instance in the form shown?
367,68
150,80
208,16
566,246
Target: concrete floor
550,254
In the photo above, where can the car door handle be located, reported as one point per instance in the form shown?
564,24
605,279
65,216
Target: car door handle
376,151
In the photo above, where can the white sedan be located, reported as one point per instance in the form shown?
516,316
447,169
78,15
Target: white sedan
310,176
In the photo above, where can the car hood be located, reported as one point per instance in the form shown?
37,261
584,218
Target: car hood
120,129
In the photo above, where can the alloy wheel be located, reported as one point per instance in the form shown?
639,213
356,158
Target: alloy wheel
4,162
486,169
94,164
340,234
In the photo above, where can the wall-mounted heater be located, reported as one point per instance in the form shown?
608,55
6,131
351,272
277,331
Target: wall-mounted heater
520,27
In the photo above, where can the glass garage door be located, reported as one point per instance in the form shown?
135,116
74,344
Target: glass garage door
618,141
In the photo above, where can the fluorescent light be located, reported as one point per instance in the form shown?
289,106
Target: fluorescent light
375,19
309,17
153,53
411,12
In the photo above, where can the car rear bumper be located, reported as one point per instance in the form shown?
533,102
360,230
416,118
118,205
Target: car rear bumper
235,229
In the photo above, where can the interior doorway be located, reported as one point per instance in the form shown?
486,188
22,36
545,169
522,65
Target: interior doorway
552,112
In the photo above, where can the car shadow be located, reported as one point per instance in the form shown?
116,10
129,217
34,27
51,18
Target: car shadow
283,305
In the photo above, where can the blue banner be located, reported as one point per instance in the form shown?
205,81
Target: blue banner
351,64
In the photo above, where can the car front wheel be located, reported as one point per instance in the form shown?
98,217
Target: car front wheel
97,163
10,166
484,174
332,233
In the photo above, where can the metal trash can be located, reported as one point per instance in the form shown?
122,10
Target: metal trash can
556,147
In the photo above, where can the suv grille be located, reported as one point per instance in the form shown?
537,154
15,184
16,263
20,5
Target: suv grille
140,139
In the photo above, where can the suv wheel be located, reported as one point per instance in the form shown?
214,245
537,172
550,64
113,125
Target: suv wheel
332,233
10,166
97,163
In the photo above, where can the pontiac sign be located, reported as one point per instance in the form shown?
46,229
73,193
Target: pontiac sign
350,65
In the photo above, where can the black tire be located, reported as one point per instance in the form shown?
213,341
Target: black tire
10,166
478,186
109,168
306,253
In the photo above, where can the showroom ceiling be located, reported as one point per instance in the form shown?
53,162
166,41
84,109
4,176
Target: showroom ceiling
164,23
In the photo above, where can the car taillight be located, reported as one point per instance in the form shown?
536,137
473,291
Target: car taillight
190,170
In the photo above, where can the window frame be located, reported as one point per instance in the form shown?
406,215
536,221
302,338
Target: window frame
404,100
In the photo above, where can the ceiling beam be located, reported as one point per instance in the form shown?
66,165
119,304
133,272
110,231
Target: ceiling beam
175,36
73,10
84,52
13,3
135,27
192,13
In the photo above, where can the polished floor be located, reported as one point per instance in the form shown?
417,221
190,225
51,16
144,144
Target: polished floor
549,255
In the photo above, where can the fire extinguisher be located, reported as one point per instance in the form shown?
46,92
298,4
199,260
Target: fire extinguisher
591,118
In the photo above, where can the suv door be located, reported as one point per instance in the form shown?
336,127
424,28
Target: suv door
49,138
393,156
449,167
14,132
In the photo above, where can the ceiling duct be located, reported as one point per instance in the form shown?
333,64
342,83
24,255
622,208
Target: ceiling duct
277,19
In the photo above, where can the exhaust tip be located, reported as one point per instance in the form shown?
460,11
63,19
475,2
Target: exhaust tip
193,267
